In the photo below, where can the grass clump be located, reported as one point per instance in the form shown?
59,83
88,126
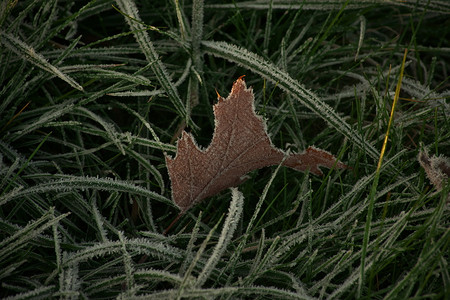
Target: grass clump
92,95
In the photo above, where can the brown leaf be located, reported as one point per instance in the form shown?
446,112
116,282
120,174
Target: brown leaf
437,168
239,145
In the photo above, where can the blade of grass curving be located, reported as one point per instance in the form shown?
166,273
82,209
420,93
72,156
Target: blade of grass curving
140,118
125,137
128,266
250,292
190,246
260,267
43,292
335,261
268,27
343,219
129,8
57,240
149,275
6,173
325,32
149,143
362,32
16,84
64,108
237,253
436,245
159,250
69,283
384,241
295,42
22,14
149,167
5,190
197,32
19,239
28,53
69,50
373,190
196,73
55,112
286,82
181,20
263,197
96,72
234,214
85,183
283,216
259,253
9,269
185,284
112,133
151,93
43,21
99,221
66,22
434,6
5,8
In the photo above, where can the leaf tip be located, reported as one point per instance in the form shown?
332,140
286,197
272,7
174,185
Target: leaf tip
218,95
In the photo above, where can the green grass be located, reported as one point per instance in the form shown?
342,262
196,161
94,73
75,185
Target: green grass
92,97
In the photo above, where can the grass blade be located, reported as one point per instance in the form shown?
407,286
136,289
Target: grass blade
27,52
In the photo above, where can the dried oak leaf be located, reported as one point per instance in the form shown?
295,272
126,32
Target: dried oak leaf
239,145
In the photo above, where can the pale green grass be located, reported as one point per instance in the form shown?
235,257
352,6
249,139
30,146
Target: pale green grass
93,96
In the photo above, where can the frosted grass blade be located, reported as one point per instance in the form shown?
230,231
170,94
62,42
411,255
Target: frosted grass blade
143,39
28,53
